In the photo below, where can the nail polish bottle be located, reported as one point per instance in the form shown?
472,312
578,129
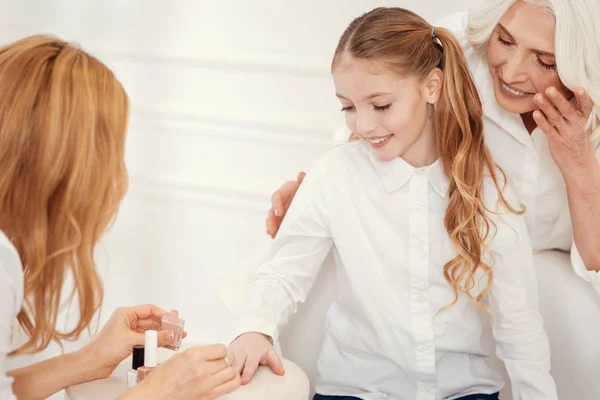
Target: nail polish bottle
151,344
137,361
172,322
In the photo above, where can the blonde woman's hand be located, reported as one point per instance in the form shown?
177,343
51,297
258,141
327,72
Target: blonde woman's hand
250,350
198,373
124,329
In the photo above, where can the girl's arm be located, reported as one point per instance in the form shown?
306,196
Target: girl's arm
295,257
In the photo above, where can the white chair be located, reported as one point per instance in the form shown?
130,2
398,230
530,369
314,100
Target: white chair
570,308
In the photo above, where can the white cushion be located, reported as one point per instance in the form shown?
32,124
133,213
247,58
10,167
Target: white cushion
265,385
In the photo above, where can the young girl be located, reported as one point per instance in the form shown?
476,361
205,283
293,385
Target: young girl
424,226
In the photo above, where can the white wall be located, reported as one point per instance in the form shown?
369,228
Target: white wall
230,99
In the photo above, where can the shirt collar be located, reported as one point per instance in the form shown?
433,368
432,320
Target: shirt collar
396,173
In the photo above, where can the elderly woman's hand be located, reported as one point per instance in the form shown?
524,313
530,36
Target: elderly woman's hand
564,124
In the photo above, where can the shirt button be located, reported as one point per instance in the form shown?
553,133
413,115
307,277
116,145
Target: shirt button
421,298
420,200
419,250
424,348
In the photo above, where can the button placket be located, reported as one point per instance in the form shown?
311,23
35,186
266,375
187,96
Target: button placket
419,277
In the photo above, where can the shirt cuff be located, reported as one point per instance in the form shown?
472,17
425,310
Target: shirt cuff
593,277
253,324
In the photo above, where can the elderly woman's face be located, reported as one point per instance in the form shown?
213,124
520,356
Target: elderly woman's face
521,57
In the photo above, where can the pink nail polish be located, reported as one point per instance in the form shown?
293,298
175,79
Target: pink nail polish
150,347
172,322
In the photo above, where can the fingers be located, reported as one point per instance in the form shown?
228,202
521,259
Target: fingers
224,375
238,363
208,353
147,311
280,201
301,176
283,197
230,356
227,386
564,106
585,104
165,338
144,325
272,224
552,116
214,367
277,203
274,362
250,367
545,126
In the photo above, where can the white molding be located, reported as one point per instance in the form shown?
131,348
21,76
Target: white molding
230,59
178,122
244,200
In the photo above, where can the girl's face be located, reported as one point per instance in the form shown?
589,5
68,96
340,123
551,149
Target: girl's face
391,113
521,57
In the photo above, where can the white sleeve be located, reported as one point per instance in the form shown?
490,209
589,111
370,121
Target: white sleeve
295,259
11,287
593,277
522,342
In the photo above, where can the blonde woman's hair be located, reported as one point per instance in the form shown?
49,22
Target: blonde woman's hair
404,43
63,119
576,41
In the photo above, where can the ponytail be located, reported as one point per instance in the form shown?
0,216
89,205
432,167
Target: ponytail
465,158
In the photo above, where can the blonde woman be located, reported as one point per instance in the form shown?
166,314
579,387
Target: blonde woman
63,119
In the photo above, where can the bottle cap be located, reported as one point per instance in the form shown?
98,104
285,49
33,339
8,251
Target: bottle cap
137,357
151,344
